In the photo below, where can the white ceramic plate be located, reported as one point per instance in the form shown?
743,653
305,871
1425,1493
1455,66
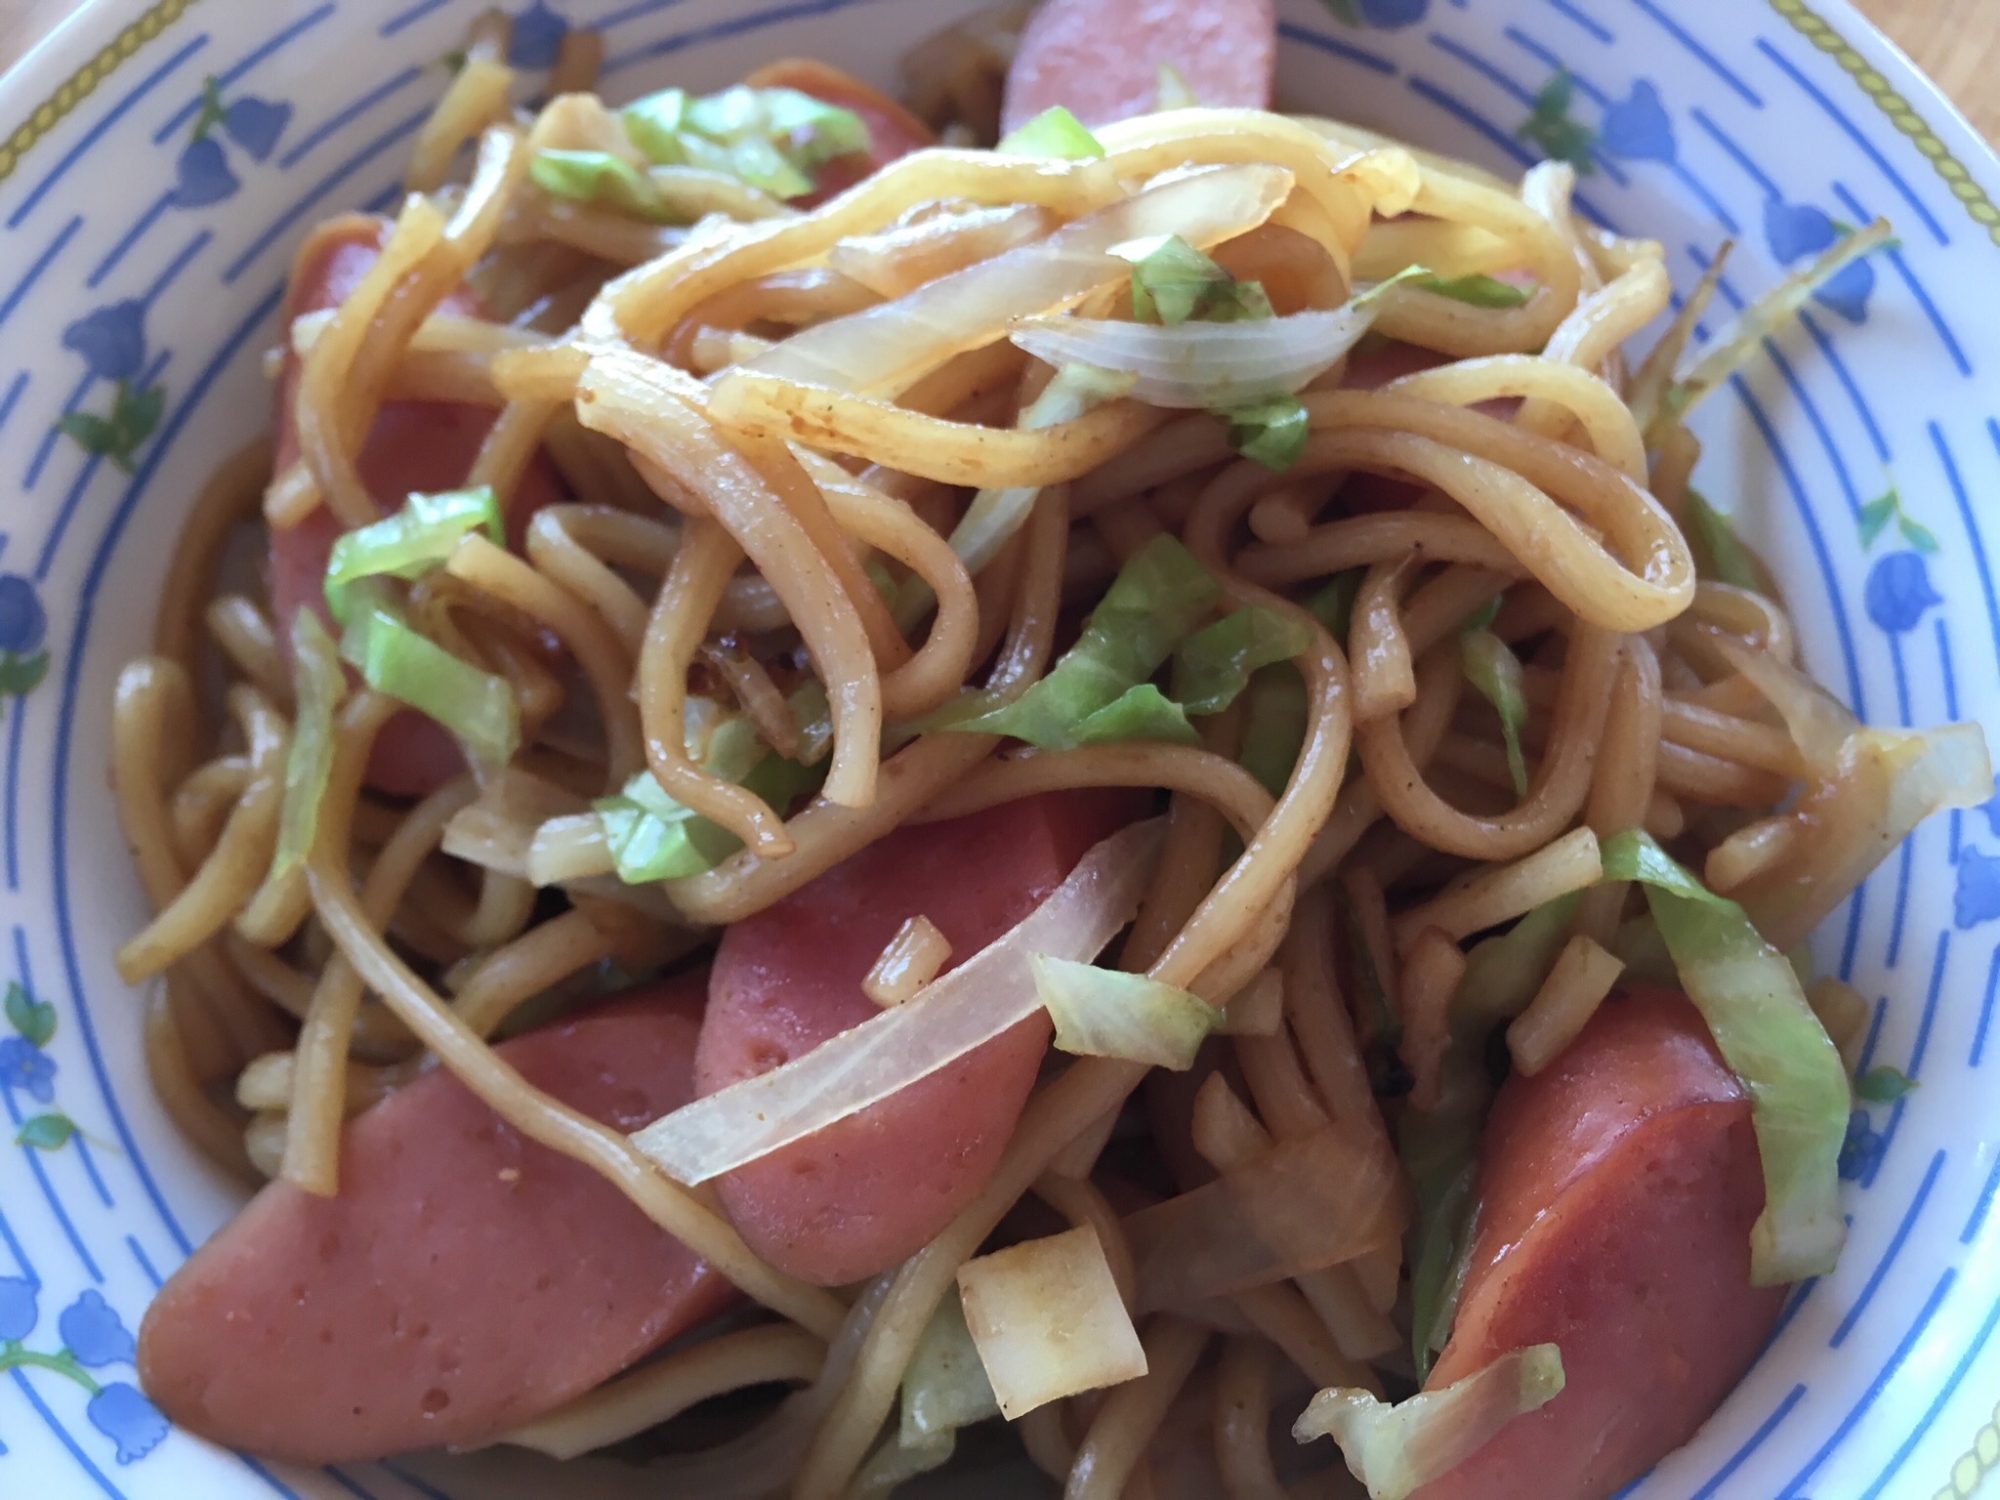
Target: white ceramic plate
143,241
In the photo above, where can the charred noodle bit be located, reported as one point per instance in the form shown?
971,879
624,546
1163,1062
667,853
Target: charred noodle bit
791,418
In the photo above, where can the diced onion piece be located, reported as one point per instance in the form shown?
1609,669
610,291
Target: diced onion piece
319,683
1258,1009
883,350
1110,1013
1504,892
910,961
1569,997
968,1007
945,1386
1395,1450
1047,1320
1767,1033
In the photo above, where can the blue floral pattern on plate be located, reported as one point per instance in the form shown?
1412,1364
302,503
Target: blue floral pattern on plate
93,1337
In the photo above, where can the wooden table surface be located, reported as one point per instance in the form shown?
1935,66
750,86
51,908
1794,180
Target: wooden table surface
1956,41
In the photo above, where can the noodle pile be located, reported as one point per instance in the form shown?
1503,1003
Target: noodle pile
748,523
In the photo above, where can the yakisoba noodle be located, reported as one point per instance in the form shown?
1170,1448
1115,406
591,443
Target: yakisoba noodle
767,422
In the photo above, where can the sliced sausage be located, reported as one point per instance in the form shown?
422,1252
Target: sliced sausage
1100,59
862,1195
1617,1190
463,1281
425,446
892,130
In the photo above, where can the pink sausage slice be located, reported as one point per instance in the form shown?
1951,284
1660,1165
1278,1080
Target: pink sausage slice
1617,1191
427,446
863,1195
464,1280
1100,59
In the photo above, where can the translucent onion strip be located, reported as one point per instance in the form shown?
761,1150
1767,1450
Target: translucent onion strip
972,1004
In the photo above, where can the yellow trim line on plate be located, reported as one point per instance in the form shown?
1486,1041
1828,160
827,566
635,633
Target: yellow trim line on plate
79,86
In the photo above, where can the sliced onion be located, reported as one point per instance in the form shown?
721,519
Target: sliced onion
964,1009
497,830
1304,1205
883,350
935,239
1818,722
1203,366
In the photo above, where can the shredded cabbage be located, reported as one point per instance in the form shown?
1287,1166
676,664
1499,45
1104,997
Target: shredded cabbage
1157,599
1109,1013
1729,561
772,139
1395,1450
945,1386
1496,671
955,1013
1172,91
652,836
1769,1036
1272,431
412,542
600,178
898,1459
1477,290
1048,1322
1138,713
1332,604
1173,282
1765,317
318,685
1440,1146
1053,132
1274,726
1215,663
394,658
